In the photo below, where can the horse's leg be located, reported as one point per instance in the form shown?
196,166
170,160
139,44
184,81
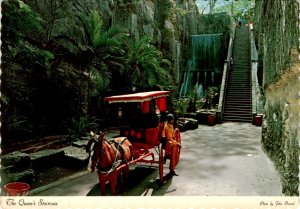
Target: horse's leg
102,184
124,173
113,182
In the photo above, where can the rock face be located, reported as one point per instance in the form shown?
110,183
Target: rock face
46,158
16,166
22,167
276,23
75,156
170,22
18,159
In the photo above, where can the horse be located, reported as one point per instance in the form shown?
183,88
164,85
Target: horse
109,159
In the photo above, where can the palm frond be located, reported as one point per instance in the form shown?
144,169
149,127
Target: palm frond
100,78
96,27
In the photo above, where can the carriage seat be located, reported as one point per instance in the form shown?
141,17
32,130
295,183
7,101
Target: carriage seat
149,136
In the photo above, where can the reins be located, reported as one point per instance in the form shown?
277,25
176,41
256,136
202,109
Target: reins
116,162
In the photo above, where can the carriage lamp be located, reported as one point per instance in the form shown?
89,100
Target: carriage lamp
120,112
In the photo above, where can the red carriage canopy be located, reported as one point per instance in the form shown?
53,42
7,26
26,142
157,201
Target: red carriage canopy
137,97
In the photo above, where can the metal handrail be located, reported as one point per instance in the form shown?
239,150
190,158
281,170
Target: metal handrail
225,75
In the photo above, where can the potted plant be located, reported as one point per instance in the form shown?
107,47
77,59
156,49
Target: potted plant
210,105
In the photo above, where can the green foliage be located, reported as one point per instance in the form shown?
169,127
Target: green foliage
210,95
164,11
106,58
275,23
181,106
145,64
241,8
97,51
99,80
80,126
20,30
280,141
18,22
55,54
14,124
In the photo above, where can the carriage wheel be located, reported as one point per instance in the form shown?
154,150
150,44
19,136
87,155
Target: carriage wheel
178,149
161,164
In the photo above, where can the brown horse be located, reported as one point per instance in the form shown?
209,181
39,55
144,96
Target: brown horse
109,159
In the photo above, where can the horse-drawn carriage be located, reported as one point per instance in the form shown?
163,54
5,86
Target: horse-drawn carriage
141,122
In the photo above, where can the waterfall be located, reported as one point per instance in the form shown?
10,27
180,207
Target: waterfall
200,92
178,60
187,80
205,58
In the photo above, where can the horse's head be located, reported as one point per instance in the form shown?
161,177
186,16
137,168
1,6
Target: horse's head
94,149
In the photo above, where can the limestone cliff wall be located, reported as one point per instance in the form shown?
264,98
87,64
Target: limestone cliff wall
171,22
277,37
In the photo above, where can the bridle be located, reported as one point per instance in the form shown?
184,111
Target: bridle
117,161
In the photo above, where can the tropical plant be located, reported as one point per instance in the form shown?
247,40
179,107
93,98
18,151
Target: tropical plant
104,56
24,58
146,66
181,106
80,126
211,94
85,43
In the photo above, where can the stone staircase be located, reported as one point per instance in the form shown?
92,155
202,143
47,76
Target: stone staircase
238,106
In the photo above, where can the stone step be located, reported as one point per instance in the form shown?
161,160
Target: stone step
239,86
46,158
236,83
75,156
25,176
239,81
236,80
235,103
239,98
239,73
238,104
235,119
231,104
238,91
242,64
81,143
238,112
17,159
233,116
238,108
